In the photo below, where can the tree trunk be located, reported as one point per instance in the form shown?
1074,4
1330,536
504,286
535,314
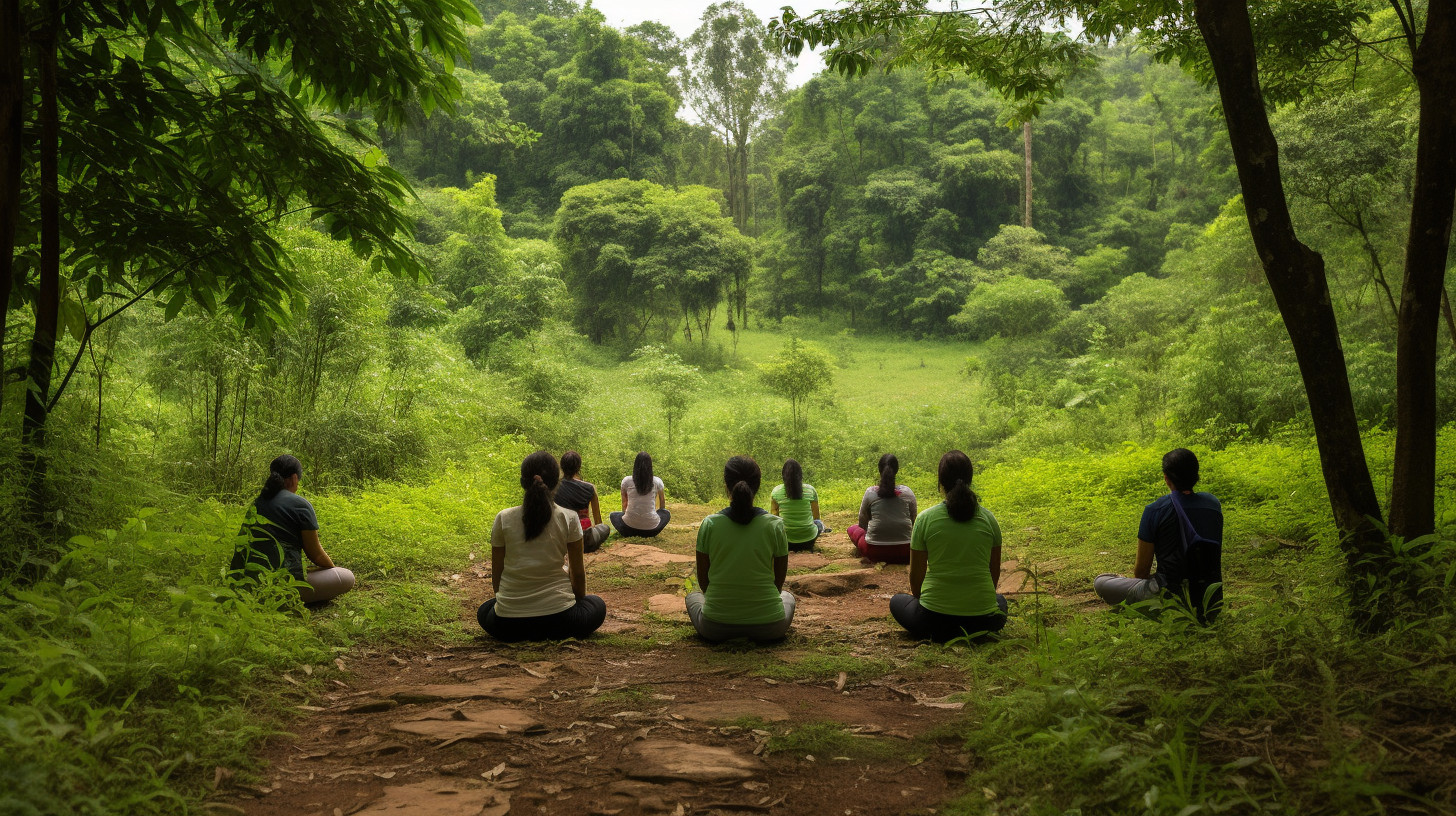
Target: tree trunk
1413,480
1297,279
48,299
1026,145
12,94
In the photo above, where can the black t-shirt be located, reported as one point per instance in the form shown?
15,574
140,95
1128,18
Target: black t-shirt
574,494
274,539
1161,527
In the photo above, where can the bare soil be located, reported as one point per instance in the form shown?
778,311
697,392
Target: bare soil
643,717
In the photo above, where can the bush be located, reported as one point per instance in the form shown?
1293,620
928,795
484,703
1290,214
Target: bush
1013,307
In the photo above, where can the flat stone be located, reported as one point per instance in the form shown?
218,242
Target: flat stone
644,555
672,761
370,706
468,722
668,606
829,583
729,710
1011,580
439,797
495,688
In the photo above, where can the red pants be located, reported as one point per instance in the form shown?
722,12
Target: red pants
889,553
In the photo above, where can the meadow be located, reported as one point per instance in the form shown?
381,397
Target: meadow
133,673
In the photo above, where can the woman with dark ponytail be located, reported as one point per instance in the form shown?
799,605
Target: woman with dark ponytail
536,597
281,530
797,504
886,515
644,509
955,563
580,496
743,559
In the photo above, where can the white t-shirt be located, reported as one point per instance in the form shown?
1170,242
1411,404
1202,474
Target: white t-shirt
534,580
641,511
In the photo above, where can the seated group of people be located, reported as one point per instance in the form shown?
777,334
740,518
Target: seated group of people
538,576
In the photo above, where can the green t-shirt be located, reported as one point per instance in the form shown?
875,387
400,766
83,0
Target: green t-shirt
958,565
797,514
740,568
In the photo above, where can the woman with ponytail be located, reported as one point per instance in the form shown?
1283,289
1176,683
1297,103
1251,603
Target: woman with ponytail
537,573
798,505
743,559
282,529
644,509
955,564
886,515
580,496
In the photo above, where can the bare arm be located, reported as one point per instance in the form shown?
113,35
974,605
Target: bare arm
917,571
624,500
773,507
497,565
814,505
702,572
596,510
577,568
661,499
781,571
995,565
314,550
1144,566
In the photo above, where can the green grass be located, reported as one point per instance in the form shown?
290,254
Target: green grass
827,741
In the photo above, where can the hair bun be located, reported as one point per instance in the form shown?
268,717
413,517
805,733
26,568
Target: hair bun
537,479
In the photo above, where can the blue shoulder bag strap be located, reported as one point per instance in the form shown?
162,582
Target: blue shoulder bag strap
1188,530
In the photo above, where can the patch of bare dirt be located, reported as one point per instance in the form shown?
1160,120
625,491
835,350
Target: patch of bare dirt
642,718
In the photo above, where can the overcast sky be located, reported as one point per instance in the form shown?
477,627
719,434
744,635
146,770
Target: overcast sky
684,16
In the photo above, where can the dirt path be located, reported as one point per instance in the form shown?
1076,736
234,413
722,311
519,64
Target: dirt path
847,716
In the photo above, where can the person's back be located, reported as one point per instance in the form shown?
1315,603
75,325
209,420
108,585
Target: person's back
886,517
741,573
276,532
1169,562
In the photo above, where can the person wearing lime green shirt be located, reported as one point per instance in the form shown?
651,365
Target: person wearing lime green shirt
955,563
798,505
743,559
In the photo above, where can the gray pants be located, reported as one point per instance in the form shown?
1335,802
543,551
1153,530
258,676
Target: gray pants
710,629
324,584
1116,589
592,537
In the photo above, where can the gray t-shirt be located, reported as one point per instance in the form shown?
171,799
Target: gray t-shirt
284,518
891,518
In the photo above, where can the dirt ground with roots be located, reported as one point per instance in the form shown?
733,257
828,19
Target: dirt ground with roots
847,716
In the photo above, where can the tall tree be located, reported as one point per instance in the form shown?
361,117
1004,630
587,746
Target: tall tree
733,80
1255,58
172,137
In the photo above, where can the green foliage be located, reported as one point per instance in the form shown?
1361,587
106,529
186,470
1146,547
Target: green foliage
798,372
1012,307
674,383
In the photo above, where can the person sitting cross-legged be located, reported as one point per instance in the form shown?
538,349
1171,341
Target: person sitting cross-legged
743,560
797,504
955,563
644,510
1163,541
282,530
580,496
886,516
536,597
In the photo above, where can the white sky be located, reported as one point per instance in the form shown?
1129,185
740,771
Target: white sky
684,16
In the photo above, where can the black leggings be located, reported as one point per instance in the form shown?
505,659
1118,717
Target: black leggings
925,623
627,531
577,622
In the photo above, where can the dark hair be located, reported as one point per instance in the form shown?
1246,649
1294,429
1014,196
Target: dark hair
278,472
1181,467
889,466
793,479
955,478
539,475
570,464
642,473
742,477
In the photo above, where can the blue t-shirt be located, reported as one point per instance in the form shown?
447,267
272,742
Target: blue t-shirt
1160,526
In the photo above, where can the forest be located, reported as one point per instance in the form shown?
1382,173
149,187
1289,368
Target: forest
410,243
